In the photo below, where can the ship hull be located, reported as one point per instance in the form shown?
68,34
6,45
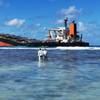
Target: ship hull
55,44
42,44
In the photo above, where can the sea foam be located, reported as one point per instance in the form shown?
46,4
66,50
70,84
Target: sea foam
58,48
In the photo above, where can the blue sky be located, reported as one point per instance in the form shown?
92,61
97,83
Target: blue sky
32,18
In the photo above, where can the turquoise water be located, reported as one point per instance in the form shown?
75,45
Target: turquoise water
66,75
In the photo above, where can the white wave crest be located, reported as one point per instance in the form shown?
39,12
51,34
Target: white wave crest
57,48
78,48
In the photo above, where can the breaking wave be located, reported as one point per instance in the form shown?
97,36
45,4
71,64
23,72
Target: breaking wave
59,48
78,48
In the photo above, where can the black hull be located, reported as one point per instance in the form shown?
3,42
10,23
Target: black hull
54,44
44,44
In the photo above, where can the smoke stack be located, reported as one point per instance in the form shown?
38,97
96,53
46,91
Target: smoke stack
73,29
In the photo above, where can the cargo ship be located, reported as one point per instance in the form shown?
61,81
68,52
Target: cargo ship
62,36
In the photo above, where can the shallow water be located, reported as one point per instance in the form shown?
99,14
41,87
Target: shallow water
66,75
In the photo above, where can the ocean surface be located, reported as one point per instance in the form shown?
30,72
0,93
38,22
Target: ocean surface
67,74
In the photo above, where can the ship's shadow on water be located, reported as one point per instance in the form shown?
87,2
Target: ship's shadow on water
65,75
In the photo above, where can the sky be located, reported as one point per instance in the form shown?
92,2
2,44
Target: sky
33,18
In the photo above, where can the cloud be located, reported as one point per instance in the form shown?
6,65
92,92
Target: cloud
38,24
59,21
1,2
81,27
4,3
71,12
90,31
88,27
15,22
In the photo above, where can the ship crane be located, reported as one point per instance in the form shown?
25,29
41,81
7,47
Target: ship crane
56,34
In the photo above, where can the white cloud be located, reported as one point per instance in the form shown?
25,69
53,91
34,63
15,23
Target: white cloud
15,22
71,12
81,27
38,24
1,2
60,21
4,3
90,31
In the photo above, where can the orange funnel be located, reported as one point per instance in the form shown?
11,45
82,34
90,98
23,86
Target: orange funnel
72,29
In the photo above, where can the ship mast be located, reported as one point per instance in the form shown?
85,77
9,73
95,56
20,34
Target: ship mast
65,22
